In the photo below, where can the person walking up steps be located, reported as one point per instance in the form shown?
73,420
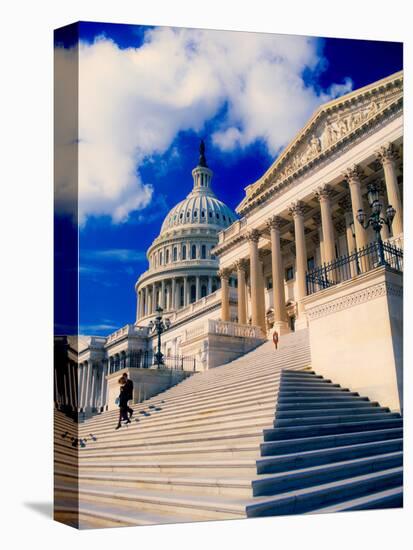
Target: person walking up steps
123,402
128,389
275,339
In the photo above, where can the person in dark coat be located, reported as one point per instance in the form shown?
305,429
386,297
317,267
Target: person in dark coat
123,403
128,389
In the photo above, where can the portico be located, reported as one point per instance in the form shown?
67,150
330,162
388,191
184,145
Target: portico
303,212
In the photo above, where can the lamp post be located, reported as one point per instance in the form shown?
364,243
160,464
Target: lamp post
375,220
159,326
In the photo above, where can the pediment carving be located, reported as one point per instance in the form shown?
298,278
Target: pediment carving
331,123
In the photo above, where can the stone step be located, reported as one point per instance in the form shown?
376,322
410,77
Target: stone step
322,404
148,432
309,420
213,452
389,498
92,515
311,498
194,439
274,434
307,477
206,418
192,506
304,459
327,412
244,402
344,397
328,441
324,394
238,466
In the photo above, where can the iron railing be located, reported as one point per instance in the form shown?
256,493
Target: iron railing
364,259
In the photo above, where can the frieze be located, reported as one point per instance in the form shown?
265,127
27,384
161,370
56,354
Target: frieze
354,299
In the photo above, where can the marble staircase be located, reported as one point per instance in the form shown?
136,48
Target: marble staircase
211,448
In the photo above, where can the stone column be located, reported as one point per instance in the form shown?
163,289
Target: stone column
162,298
317,220
241,266
209,285
173,294
323,195
257,292
297,212
224,275
386,155
185,291
198,288
138,306
154,298
352,176
278,291
346,210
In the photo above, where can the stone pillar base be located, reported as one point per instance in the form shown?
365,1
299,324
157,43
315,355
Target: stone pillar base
281,327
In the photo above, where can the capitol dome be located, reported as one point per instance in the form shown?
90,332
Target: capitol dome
182,266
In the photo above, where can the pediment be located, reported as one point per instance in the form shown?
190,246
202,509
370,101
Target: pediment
331,123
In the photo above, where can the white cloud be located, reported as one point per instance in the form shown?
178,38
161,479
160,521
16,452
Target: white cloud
133,103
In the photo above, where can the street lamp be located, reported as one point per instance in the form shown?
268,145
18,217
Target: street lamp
159,326
375,220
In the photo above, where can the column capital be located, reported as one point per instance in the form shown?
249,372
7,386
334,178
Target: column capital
386,153
352,174
241,265
323,192
253,235
296,209
275,222
224,273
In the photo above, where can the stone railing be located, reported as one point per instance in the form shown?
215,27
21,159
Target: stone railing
127,330
223,328
232,230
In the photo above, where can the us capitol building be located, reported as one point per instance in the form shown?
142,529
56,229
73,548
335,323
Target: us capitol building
298,255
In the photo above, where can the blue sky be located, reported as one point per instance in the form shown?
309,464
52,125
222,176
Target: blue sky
149,94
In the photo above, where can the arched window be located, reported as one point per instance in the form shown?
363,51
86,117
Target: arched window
184,251
175,254
203,214
193,252
160,258
195,213
203,252
167,256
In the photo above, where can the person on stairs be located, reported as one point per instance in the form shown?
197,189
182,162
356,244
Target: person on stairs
124,395
275,339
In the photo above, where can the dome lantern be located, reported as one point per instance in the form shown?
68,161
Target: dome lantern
202,174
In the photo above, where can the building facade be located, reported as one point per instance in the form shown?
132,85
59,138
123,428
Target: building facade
226,284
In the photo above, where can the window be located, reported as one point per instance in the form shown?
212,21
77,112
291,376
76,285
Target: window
181,296
310,263
167,256
203,214
225,219
214,287
184,251
193,293
160,258
289,273
210,214
175,254
181,215
217,216
187,214
195,213
203,252
193,252
203,291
